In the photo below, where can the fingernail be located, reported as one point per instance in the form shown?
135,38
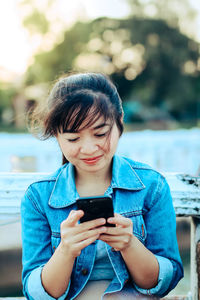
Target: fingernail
102,221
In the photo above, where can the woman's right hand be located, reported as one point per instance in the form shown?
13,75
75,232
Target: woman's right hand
75,237
57,272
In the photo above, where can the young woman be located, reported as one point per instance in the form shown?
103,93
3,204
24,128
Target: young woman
64,258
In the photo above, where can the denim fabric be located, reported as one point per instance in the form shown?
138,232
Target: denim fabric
102,269
138,193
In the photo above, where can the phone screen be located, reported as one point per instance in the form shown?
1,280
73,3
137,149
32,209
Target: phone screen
96,207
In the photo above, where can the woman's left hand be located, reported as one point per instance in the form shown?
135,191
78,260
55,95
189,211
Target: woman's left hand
119,237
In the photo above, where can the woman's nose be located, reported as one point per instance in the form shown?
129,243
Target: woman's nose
88,147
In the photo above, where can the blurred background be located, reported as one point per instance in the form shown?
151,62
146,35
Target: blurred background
149,48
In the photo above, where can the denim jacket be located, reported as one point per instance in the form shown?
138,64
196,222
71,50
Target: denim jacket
138,193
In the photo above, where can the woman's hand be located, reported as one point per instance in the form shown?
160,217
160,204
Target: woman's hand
75,237
57,272
141,263
119,237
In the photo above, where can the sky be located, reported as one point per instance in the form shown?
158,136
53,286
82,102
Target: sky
16,46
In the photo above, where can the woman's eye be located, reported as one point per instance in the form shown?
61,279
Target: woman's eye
101,134
73,140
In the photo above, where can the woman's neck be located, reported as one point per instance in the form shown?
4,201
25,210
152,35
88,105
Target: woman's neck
92,184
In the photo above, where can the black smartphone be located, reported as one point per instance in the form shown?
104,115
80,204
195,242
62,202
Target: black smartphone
96,207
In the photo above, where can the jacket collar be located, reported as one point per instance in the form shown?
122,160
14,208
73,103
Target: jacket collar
64,192
124,175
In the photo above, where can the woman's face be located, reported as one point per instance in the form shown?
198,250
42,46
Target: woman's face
90,149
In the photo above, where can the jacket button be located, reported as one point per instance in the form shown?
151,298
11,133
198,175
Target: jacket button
84,272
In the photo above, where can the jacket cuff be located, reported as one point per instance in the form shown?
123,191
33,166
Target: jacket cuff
36,290
164,278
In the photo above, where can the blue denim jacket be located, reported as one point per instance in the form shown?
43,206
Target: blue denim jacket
138,193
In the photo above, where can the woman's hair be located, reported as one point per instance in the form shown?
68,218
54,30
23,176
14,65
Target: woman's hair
70,103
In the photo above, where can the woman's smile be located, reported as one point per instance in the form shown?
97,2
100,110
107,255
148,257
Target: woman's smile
92,160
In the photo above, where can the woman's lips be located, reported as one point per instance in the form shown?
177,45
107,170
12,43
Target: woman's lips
92,160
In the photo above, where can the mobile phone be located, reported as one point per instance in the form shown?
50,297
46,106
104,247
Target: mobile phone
96,207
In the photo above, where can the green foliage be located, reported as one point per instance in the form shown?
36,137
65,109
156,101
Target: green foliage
48,65
36,22
163,63
149,61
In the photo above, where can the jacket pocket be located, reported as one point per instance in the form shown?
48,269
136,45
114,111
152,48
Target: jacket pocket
55,240
139,228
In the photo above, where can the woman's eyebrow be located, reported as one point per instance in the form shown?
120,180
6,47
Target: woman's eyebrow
70,131
101,125
94,128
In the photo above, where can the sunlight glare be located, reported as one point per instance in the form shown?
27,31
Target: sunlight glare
14,50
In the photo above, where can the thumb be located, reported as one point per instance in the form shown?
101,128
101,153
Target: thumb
74,217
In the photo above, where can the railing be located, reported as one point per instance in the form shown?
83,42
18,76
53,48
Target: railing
186,199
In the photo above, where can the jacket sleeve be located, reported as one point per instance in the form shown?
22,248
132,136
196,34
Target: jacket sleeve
160,221
36,247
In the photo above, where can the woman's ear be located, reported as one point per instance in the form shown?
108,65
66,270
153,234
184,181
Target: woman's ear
122,118
121,126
